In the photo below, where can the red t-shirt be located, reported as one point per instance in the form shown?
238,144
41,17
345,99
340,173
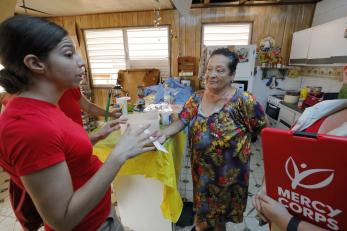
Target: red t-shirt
35,135
69,103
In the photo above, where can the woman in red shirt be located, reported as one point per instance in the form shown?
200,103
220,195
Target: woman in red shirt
46,153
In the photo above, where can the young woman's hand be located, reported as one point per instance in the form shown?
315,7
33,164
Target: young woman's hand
116,113
134,141
272,209
257,205
110,127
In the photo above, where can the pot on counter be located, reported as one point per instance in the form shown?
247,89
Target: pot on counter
291,97
317,90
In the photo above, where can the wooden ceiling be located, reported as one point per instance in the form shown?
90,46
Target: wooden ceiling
47,8
197,3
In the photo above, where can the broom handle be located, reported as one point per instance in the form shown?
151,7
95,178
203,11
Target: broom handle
108,106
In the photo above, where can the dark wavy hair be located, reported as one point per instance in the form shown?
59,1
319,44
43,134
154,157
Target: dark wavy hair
232,56
19,36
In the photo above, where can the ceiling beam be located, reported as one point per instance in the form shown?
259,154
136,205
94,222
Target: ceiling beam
208,3
296,1
173,5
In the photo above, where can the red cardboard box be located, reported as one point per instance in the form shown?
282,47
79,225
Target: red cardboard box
308,175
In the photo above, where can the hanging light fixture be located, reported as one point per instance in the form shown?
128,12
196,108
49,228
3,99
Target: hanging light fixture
157,17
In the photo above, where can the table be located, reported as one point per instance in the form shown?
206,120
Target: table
146,179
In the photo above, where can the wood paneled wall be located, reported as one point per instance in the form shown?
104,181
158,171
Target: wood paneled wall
100,96
7,8
278,21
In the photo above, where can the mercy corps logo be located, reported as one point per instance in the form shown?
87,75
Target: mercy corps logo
317,211
300,176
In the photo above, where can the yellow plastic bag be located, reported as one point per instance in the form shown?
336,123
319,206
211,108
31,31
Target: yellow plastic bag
155,164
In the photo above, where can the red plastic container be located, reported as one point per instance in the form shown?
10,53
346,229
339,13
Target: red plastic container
313,98
307,174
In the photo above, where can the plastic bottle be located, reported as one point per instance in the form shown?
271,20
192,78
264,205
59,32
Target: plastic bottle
303,93
302,97
167,94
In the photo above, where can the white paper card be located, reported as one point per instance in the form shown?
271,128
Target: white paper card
158,145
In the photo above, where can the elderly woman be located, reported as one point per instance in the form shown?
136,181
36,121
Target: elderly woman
221,120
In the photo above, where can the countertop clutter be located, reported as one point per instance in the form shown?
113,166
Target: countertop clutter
293,106
284,114
291,110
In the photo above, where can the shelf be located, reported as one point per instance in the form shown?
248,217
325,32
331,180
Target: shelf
282,72
188,70
283,67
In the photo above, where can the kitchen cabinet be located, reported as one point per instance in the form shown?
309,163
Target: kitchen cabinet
300,46
320,43
339,45
287,117
282,125
324,44
296,117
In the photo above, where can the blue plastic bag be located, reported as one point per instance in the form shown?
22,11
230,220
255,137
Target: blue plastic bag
176,90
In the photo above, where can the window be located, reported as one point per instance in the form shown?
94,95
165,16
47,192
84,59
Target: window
106,54
149,48
110,50
226,34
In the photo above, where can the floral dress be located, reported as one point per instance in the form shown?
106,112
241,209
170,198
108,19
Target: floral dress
220,157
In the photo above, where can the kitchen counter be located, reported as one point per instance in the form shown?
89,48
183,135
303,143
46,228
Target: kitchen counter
146,186
292,106
289,113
